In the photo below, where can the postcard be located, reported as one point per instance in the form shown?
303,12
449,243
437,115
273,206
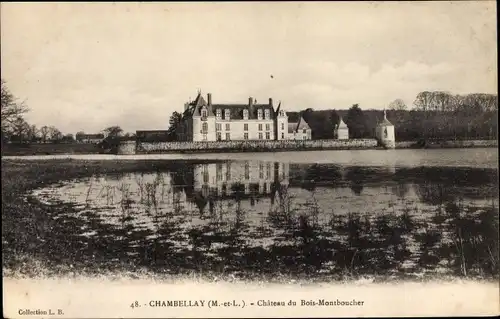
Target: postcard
249,159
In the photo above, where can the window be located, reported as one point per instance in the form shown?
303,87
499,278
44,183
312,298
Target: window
204,127
305,138
228,136
228,172
247,170
203,113
268,127
205,190
245,136
245,127
282,126
259,114
268,170
205,174
245,114
268,136
219,113
218,127
304,131
261,171
227,115
228,127
267,114
385,132
282,113
260,127
260,136
219,136
219,172
282,136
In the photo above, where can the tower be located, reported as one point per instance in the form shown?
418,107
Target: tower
342,130
384,133
281,120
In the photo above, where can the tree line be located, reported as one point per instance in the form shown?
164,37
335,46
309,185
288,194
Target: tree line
16,129
435,115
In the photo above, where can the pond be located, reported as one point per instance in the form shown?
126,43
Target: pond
428,215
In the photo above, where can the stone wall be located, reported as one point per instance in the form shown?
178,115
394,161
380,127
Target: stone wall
447,144
254,146
126,148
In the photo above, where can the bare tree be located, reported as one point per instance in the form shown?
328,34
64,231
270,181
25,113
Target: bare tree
33,133
12,109
44,133
113,131
398,105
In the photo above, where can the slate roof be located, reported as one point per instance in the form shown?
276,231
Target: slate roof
235,110
385,121
296,122
342,124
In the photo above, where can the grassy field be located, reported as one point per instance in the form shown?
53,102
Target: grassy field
49,149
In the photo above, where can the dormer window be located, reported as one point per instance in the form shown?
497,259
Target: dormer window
259,114
282,113
204,113
219,113
245,114
227,114
267,114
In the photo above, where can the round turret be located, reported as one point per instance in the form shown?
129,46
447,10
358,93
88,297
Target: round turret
384,133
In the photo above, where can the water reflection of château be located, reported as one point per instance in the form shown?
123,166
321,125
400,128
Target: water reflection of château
239,179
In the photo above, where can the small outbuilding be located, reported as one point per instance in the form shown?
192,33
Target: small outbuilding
342,130
384,132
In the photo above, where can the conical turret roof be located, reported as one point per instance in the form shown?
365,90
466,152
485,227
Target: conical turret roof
385,121
342,124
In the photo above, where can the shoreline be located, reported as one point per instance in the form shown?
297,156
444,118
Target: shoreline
129,148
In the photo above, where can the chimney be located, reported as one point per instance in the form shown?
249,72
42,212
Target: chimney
271,101
209,99
250,107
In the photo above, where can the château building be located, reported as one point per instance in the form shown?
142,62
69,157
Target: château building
204,120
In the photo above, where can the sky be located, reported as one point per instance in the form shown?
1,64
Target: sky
87,66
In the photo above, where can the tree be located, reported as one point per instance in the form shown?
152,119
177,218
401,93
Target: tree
19,130
113,131
356,122
68,138
79,136
397,105
33,133
44,133
12,109
174,123
55,134
334,121
307,114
